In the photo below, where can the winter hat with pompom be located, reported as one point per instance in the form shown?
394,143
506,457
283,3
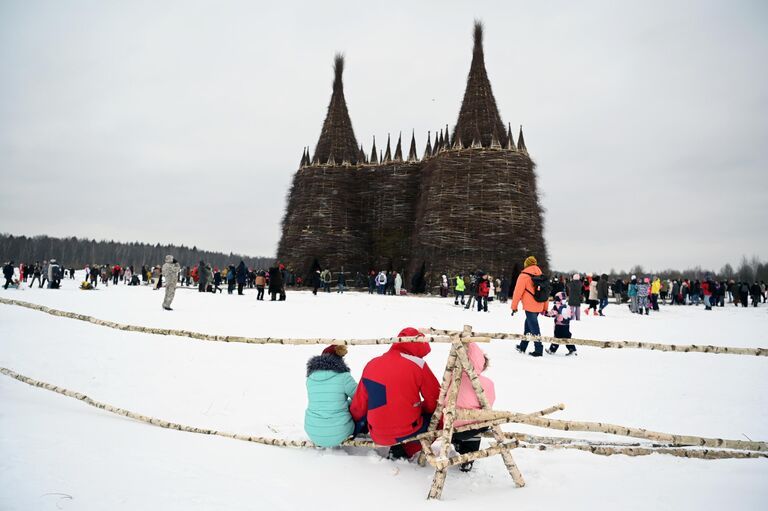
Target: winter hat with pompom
530,261
647,280
576,276
410,332
336,349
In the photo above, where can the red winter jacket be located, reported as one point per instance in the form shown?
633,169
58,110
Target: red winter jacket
390,393
483,288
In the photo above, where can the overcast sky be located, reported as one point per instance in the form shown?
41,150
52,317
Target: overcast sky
183,122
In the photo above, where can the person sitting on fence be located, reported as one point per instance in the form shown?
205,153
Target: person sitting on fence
562,314
398,395
469,440
330,388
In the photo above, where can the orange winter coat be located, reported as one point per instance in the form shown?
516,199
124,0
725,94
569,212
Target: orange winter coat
524,291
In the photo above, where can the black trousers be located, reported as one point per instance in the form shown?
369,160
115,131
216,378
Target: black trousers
239,288
8,282
467,441
260,292
482,303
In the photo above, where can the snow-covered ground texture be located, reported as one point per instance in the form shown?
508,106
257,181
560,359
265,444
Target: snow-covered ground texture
58,453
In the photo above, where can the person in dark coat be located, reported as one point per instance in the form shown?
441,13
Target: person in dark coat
230,279
242,275
504,289
8,274
200,276
602,293
276,284
574,297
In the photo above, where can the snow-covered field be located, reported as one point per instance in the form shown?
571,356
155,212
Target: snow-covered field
57,453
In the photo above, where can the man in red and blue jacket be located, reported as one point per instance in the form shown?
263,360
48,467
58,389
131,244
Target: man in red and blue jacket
397,394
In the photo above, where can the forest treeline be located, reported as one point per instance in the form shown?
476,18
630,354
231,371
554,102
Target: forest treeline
77,252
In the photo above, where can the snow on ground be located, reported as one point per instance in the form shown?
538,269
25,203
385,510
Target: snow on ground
57,453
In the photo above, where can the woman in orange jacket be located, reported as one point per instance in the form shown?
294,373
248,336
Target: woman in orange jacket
525,292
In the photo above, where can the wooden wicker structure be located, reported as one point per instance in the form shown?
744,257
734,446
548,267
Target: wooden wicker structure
470,202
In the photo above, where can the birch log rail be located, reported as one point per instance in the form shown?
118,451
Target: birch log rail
612,429
677,348
433,335
223,338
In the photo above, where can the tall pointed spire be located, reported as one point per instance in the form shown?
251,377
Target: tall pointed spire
303,158
478,109
361,155
441,143
399,148
374,153
495,141
428,149
457,142
447,138
437,144
510,139
476,139
412,151
387,155
337,139
521,142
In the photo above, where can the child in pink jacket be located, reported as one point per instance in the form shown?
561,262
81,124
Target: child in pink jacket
469,441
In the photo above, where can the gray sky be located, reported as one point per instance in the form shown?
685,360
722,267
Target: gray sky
184,121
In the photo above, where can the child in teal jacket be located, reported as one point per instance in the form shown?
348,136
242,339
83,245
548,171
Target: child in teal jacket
330,388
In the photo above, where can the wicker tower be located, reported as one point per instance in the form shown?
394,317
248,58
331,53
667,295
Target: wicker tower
478,204
323,217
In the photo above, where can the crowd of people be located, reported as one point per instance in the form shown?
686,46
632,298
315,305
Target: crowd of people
48,274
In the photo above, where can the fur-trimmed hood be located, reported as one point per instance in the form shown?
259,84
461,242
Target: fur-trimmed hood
326,363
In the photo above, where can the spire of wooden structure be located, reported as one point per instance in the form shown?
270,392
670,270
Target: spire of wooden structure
510,139
441,143
412,151
457,142
479,114
476,140
337,140
521,142
388,154
495,141
447,138
374,154
428,149
303,158
399,149
361,155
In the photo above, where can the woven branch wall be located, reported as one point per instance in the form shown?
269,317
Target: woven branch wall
323,220
478,208
460,210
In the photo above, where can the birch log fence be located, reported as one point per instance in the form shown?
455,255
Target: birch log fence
432,335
